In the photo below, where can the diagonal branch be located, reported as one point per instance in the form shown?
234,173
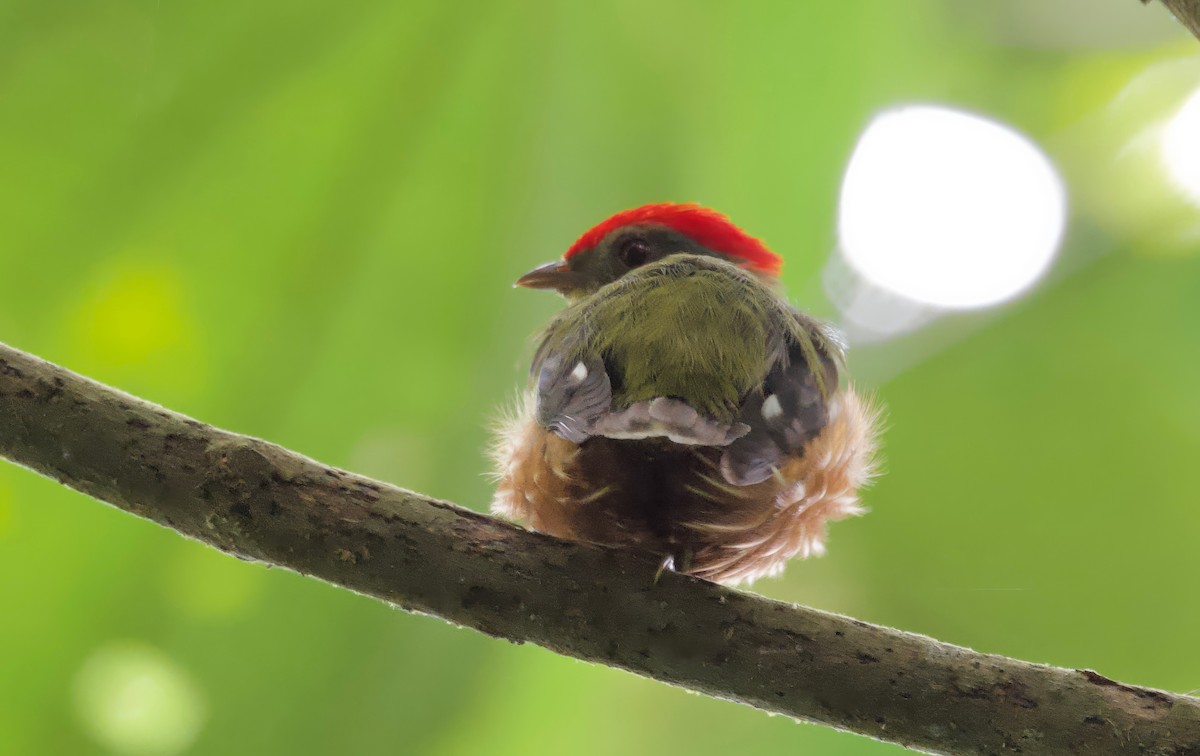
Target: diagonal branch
1187,11
258,501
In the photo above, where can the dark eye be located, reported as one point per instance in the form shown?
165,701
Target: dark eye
634,251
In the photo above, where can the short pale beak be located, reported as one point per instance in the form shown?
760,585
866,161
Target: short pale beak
553,275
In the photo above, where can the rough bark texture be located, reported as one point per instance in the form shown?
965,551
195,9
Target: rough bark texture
1187,11
258,501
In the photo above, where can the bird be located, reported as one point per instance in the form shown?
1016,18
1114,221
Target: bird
680,407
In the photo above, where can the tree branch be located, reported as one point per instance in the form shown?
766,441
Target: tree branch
1187,11
258,501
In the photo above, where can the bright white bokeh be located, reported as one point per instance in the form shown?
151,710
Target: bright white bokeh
136,701
1181,148
949,209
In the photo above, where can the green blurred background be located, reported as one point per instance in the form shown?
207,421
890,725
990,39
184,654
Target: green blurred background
300,220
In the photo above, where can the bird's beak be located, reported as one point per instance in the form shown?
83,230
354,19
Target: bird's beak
553,275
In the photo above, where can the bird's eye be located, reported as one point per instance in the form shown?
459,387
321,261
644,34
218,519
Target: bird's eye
634,251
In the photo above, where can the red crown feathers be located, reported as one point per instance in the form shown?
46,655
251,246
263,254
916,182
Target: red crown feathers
707,227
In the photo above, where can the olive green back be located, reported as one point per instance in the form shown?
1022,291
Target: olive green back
689,327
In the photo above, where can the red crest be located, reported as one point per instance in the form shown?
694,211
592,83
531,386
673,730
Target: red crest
707,227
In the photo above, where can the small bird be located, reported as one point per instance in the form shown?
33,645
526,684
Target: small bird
679,406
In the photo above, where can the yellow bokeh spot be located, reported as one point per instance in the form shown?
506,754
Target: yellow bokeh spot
135,700
133,313
209,585
133,320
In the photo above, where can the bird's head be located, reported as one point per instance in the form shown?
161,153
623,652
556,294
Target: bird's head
633,238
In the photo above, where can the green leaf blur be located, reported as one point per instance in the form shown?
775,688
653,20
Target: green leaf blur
301,220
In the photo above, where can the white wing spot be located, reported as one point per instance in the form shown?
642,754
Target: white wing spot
771,408
579,373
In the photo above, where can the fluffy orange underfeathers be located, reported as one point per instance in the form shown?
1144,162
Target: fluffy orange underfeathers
731,534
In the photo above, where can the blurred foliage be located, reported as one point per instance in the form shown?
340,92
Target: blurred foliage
300,220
